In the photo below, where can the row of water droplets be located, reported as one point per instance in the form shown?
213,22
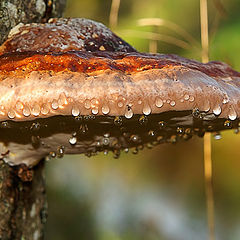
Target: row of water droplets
93,106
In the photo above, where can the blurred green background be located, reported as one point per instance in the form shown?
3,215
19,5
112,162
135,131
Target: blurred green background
158,193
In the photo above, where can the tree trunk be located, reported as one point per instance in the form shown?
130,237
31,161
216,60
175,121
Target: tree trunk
23,206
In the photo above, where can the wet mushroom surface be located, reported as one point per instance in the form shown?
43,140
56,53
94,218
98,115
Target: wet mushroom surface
68,95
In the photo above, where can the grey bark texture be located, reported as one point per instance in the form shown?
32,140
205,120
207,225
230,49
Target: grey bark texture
23,205
13,12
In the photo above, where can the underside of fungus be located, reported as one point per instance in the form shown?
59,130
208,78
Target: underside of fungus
82,89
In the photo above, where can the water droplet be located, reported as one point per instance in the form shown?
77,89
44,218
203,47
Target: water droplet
134,138
186,97
151,133
105,109
146,109
94,103
180,130
196,113
4,124
217,110
139,102
126,150
95,111
26,111
225,101
73,140
161,124
191,98
128,113
11,114
87,104
60,151
217,136
118,121
35,110
62,100
120,104
106,135
75,111
19,106
143,120
35,126
44,109
206,106
227,124
105,141
172,103
158,102
55,104
232,115
52,154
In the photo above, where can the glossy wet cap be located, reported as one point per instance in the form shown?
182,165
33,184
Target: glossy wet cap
62,35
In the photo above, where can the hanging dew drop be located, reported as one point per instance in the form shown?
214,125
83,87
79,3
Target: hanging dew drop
134,138
232,115
217,110
11,114
52,154
95,111
55,104
75,111
186,97
151,133
128,113
44,109
105,141
146,110
159,102
227,124
26,111
36,110
105,109
60,151
73,140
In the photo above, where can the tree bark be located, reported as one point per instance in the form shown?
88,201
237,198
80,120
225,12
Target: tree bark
23,206
13,12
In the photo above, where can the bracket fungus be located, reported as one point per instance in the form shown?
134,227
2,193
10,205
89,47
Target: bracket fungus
72,86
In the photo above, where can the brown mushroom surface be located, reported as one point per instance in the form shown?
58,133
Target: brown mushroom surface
56,99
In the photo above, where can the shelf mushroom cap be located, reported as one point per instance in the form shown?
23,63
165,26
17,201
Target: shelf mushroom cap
67,95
